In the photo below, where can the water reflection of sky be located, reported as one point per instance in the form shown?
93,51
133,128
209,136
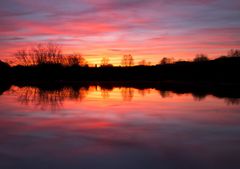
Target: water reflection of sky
117,128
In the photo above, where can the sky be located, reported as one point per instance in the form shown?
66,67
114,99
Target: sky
146,29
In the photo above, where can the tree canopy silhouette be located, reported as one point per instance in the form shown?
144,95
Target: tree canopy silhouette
105,62
165,60
234,53
201,58
75,60
42,53
48,53
127,60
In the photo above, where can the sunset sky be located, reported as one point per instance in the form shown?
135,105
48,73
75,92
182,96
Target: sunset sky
147,29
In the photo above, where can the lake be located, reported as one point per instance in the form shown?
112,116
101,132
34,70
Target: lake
117,127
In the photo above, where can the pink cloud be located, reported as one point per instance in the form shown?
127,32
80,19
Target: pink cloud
145,28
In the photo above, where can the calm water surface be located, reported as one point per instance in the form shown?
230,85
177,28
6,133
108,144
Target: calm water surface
96,128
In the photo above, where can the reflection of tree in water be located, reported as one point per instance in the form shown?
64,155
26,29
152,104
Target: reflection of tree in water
127,93
199,96
105,93
76,93
165,93
53,98
50,99
143,92
27,94
232,101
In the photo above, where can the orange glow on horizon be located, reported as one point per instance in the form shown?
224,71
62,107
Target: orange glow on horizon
149,30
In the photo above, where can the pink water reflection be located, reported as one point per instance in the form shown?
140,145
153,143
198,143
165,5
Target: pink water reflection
116,128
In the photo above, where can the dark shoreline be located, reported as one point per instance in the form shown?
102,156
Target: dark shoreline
221,70
217,77
199,89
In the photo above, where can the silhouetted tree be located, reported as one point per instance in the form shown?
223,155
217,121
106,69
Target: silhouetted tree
144,63
48,53
234,53
165,60
24,58
75,60
72,60
105,62
127,60
201,58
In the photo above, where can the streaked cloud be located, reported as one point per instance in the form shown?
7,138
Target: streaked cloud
149,29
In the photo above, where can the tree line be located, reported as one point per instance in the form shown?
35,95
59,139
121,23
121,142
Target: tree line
45,62
51,53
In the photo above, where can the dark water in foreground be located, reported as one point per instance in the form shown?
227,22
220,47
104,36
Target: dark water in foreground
96,128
